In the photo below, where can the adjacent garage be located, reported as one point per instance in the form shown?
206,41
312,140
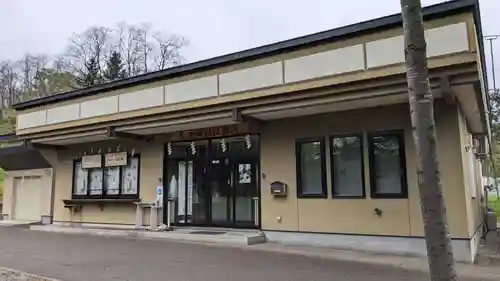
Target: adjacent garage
27,183
28,195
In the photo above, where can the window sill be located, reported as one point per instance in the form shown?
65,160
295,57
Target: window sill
312,196
348,197
84,201
389,196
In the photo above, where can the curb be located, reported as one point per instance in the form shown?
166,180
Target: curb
487,260
31,277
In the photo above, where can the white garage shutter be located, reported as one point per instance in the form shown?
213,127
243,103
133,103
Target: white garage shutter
28,198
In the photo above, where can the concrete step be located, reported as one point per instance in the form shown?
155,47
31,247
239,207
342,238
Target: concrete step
186,235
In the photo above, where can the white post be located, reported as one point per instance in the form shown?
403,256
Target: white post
153,218
169,205
138,215
256,210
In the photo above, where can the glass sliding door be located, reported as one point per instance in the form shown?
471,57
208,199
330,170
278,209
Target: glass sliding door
185,173
245,193
214,182
219,184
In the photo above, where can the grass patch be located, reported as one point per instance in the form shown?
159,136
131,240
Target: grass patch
2,175
494,203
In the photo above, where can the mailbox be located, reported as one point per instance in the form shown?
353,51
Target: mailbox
278,189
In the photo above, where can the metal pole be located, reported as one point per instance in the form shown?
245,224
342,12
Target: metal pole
493,63
494,92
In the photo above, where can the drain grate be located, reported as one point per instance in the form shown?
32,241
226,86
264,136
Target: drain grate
207,232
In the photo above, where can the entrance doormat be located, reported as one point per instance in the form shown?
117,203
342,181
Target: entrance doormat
207,232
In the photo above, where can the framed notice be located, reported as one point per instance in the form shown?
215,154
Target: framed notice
115,159
91,161
245,173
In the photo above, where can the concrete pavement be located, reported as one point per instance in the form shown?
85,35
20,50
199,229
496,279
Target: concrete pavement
79,257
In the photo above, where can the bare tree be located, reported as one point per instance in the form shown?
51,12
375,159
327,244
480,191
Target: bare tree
439,249
168,53
28,67
88,56
144,50
147,47
89,48
130,48
8,84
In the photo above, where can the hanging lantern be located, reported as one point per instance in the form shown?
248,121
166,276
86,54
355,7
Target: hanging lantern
248,141
91,150
193,148
133,152
169,148
118,148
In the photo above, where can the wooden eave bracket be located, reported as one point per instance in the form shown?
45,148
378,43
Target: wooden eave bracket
240,118
446,90
112,133
29,144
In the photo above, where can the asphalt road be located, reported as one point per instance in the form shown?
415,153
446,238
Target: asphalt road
79,258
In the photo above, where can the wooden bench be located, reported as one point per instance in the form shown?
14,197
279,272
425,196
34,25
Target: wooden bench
76,205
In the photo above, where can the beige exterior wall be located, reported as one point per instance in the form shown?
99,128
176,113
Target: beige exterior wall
473,204
151,164
9,200
401,217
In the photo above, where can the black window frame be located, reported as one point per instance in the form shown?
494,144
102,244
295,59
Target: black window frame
298,166
104,194
400,135
332,168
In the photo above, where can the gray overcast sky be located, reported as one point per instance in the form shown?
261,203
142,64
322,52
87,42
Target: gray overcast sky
213,27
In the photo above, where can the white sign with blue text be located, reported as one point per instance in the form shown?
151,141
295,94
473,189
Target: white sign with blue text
159,195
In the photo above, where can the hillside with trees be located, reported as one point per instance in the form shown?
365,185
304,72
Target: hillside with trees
97,55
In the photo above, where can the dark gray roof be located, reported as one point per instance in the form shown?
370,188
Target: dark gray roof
16,155
21,157
392,21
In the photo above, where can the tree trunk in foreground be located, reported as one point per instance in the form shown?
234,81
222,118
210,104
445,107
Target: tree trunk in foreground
437,238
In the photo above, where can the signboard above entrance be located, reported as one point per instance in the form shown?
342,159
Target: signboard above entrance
212,132
91,161
115,159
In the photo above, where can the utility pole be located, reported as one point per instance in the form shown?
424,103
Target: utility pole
493,92
490,38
